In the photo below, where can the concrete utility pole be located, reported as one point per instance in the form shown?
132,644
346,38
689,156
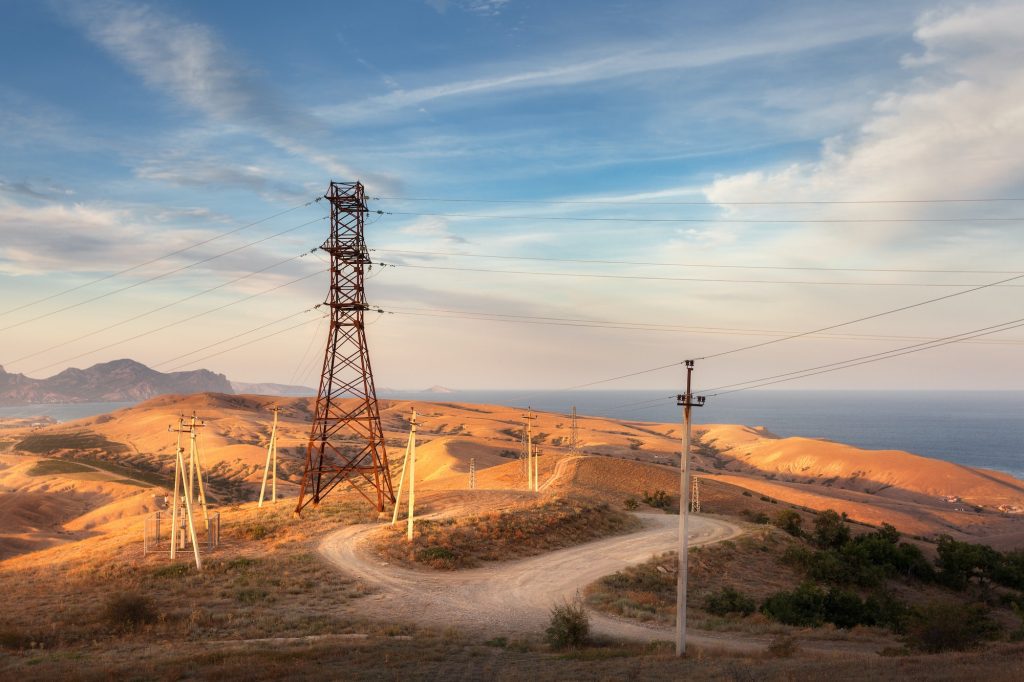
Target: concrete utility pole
182,485
196,465
412,473
271,464
531,483
687,400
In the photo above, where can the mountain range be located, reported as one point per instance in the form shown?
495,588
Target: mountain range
116,381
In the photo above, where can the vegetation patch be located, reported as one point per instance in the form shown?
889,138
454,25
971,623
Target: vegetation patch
50,467
570,625
466,542
46,443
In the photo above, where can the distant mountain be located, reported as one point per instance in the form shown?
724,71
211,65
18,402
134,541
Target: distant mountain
439,389
285,390
117,381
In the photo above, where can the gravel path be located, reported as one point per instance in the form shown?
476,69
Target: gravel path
515,597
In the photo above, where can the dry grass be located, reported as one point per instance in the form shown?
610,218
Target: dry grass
264,580
452,543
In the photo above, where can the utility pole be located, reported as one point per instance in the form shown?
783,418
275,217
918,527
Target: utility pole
472,473
183,485
531,483
346,404
574,434
687,400
196,465
412,473
401,483
271,464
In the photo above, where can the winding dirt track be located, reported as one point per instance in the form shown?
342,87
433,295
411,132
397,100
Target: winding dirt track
516,597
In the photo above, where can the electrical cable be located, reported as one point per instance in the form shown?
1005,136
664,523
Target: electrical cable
682,279
622,202
160,276
155,310
720,221
181,321
243,345
695,265
160,258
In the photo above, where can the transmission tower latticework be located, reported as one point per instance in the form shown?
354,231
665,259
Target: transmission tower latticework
574,434
346,442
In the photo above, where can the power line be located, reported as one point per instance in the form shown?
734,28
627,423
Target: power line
651,278
156,310
802,334
935,343
234,337
445,313
160,276
160,258
181,321
851,363
625,202
724,221
243,345
864,319
695,265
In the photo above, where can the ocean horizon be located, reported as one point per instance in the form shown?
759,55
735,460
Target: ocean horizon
976,428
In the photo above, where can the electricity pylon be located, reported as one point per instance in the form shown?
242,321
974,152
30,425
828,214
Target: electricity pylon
574,434
271,465
346,404
687,400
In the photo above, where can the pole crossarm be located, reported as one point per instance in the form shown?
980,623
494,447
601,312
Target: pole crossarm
346,440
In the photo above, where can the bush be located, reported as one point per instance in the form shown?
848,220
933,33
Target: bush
727,600
809,605
949,626
782,646
659,500
754,516
961,562
830,530
789,521
631,503
803,606
570,625
129,610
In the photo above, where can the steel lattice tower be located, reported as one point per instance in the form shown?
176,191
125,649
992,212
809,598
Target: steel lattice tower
346,441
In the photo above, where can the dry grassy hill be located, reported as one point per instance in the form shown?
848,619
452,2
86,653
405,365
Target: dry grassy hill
126,460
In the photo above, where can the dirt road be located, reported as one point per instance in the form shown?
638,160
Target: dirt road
515,597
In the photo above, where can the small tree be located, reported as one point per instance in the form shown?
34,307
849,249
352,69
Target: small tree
830,530
789,521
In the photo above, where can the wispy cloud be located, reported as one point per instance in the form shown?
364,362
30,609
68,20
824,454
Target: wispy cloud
189,62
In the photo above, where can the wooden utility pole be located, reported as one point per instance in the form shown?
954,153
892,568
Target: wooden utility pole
531,483
687,401
271,465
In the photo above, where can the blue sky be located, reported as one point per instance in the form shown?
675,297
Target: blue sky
130,129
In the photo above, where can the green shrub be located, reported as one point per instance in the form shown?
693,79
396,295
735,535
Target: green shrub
570,625
631,503
803,606
830,530
436,554
659,500
728,600
949,626
129,610
754,517
789,521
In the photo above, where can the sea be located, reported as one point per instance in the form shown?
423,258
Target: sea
976,428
